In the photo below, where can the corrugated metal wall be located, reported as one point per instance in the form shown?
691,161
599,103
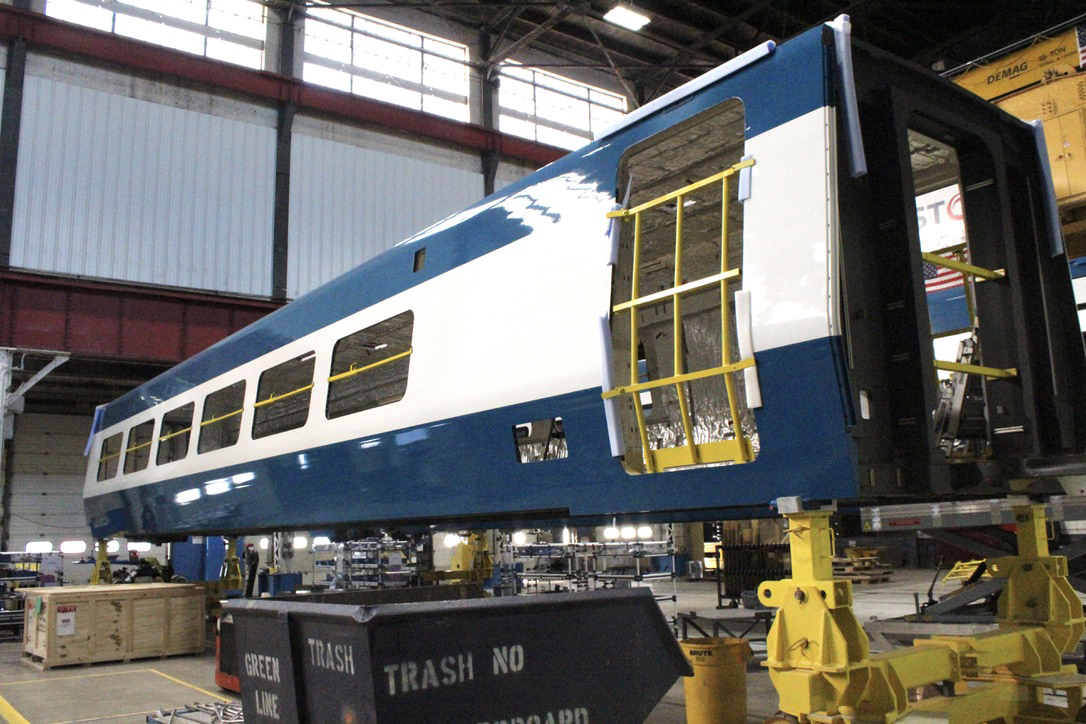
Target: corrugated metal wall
356,193
508,173
135,185
47,485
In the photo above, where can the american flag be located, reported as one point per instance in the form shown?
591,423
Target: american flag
1080,34
937,278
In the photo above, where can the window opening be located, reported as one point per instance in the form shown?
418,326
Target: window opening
552,109
109,457
673,314
369,367
540,440
173,438
961,417
360,54
420,260
138,452
221,422
230,30
282,396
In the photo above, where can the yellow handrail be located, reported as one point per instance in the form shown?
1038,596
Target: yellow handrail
355,371
679,379
138,447
962,266
684,191
221,417
285,395
175,434
109,457
994,372
665,295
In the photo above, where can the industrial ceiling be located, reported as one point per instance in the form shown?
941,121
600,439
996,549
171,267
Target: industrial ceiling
686,37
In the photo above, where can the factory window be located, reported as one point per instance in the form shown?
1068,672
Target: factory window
551,109
221,423
360,54
109,456
683,400
73,547
173,438
230,30
138,452
369,368
540,440
282,397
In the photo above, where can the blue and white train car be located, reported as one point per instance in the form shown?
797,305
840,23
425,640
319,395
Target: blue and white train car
718,302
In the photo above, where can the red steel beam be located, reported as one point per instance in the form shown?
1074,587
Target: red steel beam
46,32
113,320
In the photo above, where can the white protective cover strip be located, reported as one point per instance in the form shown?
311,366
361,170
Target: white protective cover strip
842,43
610,406
746,347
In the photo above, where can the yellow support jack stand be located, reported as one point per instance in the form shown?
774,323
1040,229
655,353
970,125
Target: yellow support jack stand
471,561
102,575
820,664
230,575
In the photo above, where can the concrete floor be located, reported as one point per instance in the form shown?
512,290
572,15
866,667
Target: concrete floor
128,692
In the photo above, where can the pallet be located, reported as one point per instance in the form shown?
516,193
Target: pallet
40,663
869,578
75,625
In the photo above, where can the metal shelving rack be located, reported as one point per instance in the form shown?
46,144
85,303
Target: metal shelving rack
589,565
17,570
368,563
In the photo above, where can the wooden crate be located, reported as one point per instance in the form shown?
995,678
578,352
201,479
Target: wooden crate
87,624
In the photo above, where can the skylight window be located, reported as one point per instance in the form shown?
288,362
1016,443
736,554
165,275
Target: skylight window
548,108
358,54
230,30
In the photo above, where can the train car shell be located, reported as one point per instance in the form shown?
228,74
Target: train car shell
506,330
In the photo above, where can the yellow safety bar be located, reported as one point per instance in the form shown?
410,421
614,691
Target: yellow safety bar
137,447
359,370
220,418
737,450
175,434
978,273
285,395
963,267
109,457
991,372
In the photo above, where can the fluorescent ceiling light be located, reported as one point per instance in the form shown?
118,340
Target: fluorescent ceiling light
627,18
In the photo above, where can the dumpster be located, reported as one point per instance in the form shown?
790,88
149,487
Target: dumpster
717,692
600,656
226,674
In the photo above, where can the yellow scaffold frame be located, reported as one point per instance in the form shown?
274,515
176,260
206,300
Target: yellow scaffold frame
691,453
958,263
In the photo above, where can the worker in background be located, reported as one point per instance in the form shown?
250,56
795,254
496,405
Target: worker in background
252,562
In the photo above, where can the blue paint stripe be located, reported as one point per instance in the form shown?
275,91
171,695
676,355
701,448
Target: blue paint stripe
1078,267
787,84
467,466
